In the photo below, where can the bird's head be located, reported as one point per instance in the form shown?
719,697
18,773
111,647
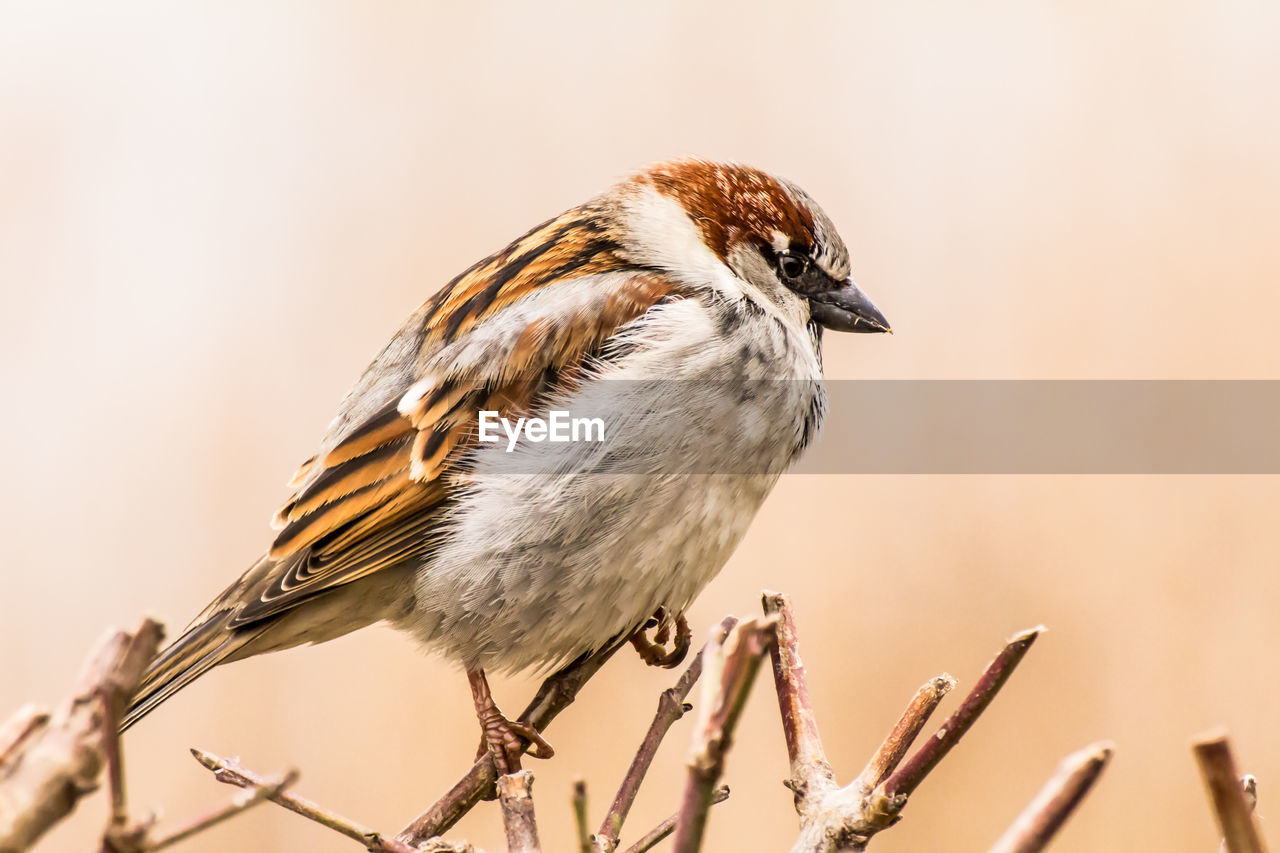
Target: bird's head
696,219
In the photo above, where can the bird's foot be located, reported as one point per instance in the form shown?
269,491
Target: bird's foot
655,652
504,740
501,738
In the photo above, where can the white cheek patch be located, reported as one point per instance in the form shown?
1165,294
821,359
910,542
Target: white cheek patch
663,235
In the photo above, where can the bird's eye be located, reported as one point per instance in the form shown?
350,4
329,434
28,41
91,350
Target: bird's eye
791,266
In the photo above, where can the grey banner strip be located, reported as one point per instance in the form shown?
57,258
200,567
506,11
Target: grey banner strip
923,427
1050,427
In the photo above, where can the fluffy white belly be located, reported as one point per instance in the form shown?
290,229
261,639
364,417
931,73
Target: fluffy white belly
555,548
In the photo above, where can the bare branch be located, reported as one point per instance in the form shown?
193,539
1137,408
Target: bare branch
912,773
1240,832
731,669
833,818
844,819
1040,821
229,771
905,731
117,835
811,773
52,761
515,796
580,815
252,796
555,694
671,707
81,739
654,836
15,731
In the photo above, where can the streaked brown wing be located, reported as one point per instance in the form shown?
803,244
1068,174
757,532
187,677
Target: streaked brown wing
370,501
516,325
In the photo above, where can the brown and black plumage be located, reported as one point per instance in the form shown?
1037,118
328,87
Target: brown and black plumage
690,271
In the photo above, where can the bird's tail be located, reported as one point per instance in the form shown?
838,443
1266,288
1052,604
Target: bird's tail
201,647
222,633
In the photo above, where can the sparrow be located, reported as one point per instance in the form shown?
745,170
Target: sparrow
684,307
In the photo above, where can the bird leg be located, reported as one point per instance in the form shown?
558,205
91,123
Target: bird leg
655,652
503,739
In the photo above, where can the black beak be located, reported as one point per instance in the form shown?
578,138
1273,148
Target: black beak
847,310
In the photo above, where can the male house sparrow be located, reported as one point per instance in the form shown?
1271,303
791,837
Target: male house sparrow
634,305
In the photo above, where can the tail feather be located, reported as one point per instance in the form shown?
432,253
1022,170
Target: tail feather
200,648
220,634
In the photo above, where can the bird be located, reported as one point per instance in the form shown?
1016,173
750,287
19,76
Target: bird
685,308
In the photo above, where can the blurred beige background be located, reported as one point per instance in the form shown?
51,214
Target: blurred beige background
211,216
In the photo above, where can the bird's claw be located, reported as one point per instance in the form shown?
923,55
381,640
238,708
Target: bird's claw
655,652
504,740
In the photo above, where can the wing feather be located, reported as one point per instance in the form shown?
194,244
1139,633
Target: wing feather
508,332
399,461
501,336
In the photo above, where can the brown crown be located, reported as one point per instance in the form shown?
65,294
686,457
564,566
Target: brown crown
732,203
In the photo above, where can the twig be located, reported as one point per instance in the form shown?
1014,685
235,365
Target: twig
252,796
668,826
119,836
63,754
15,731
811,773
580,818
912,773
905,731
52,761
1240,833
671,707
834,818
731,670
515,796
555,694
1040,821
230,771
